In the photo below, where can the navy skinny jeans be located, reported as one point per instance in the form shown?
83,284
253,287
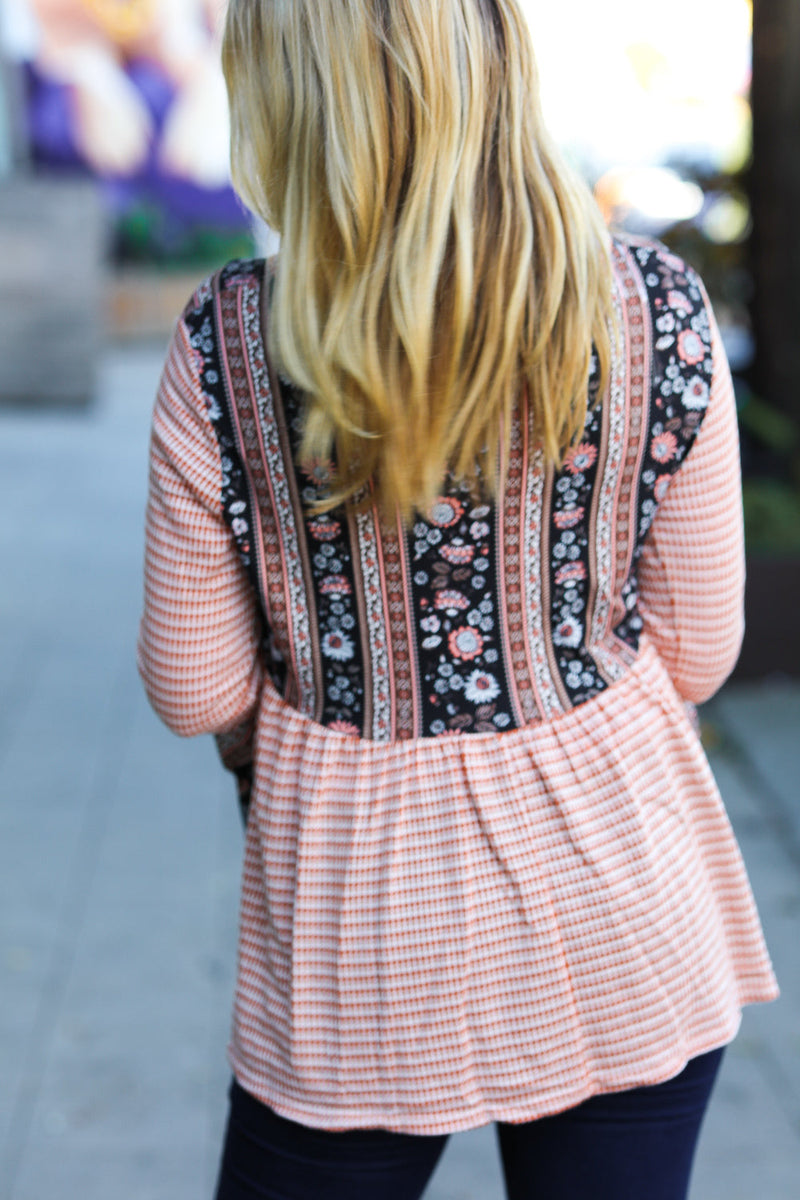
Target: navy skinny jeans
634,1145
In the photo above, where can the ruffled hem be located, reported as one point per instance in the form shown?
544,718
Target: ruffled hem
444,932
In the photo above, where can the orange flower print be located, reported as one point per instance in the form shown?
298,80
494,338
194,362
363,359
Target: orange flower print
338,646
568,518
465,643
580,458
318,470
570,572
568,633
449,598
324,529
481,687
696,393
458,553
346,727
335,585
445,511
663,447
679,303
660,487
691,347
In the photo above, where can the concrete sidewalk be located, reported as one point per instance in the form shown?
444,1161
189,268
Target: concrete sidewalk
119,863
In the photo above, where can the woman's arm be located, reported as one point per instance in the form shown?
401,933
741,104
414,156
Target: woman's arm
691,573
200,631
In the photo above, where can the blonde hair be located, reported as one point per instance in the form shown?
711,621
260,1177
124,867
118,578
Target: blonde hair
437,255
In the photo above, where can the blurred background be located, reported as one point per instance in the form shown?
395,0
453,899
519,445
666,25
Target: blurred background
114,174
119,845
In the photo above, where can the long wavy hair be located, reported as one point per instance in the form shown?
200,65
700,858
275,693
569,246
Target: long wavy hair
437,255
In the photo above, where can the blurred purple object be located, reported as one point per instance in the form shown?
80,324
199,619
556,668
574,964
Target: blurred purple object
51,125
50,122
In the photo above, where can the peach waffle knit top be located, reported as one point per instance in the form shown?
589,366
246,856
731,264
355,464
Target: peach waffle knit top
487,871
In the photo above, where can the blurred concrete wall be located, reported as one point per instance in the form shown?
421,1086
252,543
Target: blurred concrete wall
52,241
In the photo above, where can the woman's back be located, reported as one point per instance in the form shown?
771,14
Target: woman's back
488,615
445,601
474,779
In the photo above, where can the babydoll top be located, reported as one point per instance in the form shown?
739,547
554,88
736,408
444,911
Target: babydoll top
487,872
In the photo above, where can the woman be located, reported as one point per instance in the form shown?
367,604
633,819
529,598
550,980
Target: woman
443,538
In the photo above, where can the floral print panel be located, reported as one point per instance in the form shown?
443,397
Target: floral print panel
449,663
330,551
452,552
681,387
570,571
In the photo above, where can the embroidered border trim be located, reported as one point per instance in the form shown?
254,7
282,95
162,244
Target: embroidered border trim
377,632
285,559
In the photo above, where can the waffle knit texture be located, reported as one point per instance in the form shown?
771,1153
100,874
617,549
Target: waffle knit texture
488,872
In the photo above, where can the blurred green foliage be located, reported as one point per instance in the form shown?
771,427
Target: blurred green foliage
144,236
772,517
